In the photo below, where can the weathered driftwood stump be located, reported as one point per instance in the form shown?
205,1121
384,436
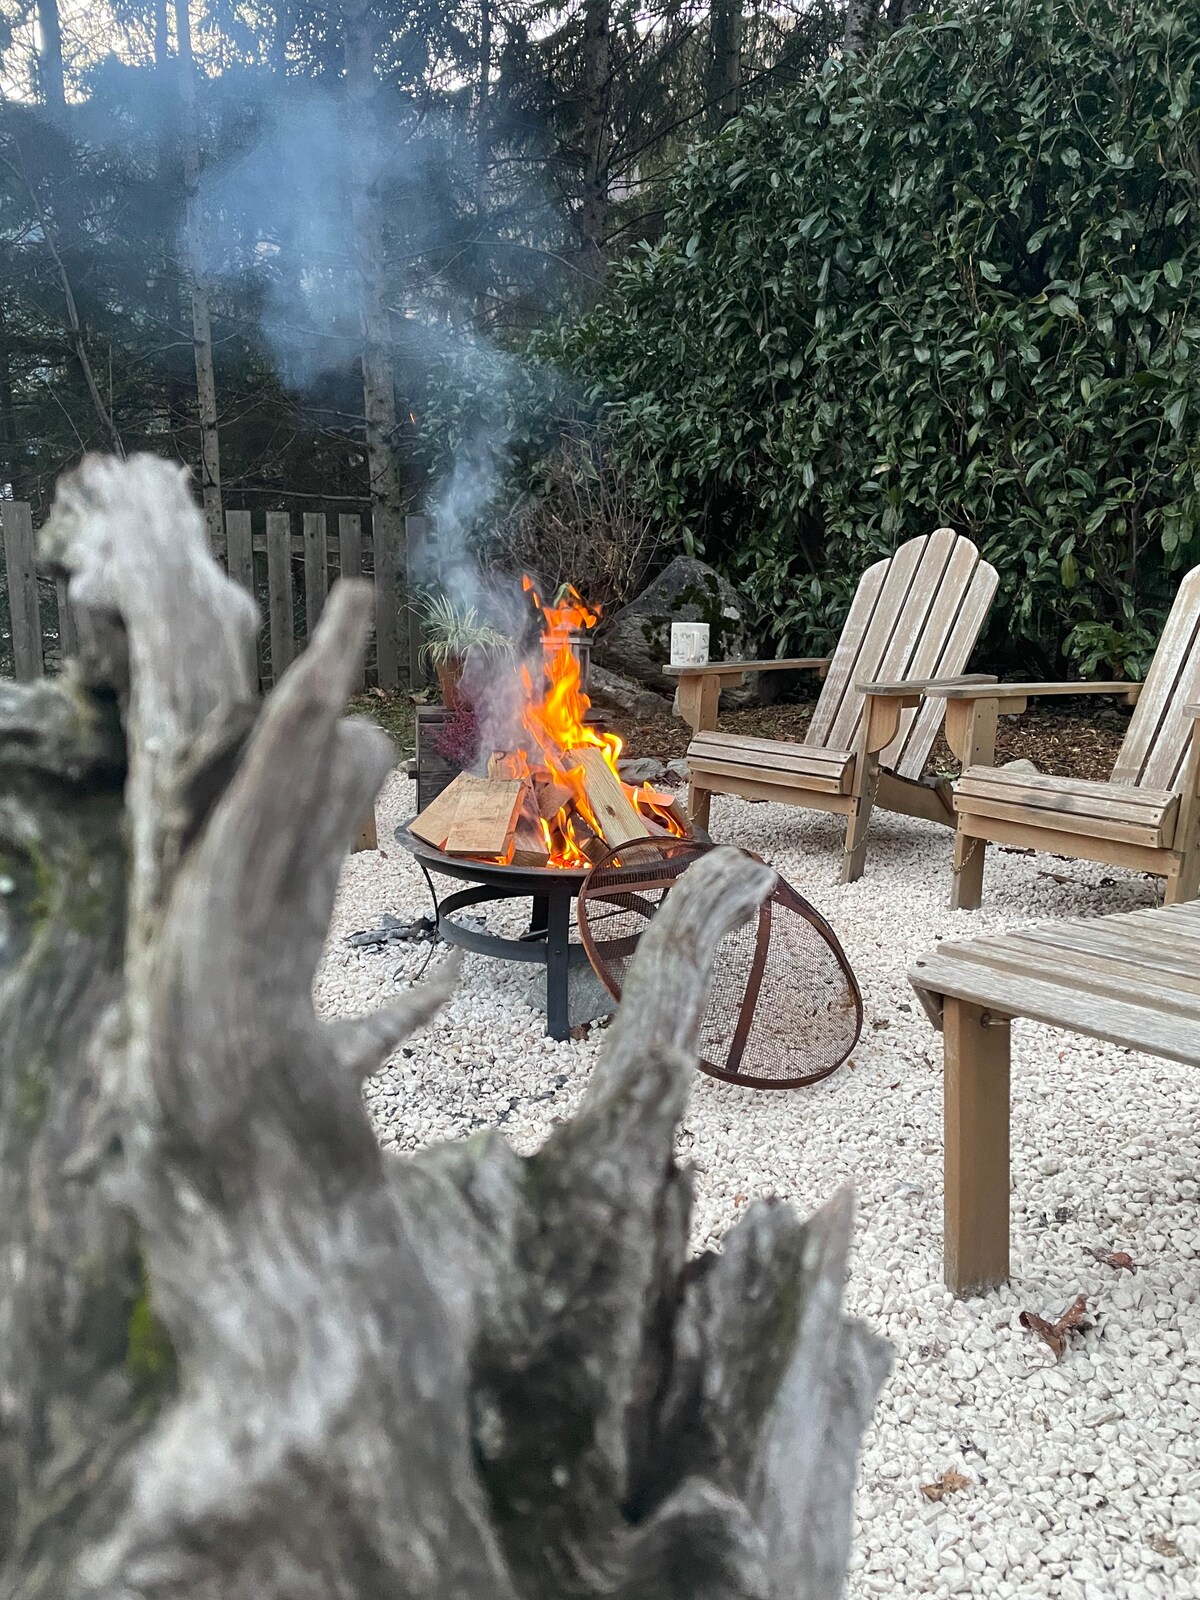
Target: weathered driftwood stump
246,1354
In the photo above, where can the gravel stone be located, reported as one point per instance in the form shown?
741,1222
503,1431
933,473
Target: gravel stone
1085,1477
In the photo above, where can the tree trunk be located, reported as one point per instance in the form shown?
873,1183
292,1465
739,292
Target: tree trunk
162,34
378,370
195,266
247,1355
860,20
597,145
483,156
724,62
50,59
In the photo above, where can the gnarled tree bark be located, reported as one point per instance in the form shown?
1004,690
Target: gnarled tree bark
246,1354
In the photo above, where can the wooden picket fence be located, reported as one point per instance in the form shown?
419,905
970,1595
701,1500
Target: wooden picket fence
287,568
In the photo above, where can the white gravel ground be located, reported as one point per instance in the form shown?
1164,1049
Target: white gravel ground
1084,1479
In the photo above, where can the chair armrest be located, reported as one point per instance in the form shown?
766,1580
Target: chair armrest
1191,711
886,702
736,669
1027,691
922,686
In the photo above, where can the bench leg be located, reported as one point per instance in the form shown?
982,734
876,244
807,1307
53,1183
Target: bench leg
976,1126
699,805
966,889
367,838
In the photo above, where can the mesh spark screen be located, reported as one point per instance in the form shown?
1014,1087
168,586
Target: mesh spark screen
785,1009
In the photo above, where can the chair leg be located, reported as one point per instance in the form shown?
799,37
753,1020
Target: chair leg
976,1147
966,890
699,805
1183,879
854,851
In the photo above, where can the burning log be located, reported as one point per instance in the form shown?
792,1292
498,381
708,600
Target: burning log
249,1353
610,805
586,839
504,765
574,806
551,796
529,847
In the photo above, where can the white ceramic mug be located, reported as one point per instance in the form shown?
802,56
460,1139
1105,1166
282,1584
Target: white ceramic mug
689,644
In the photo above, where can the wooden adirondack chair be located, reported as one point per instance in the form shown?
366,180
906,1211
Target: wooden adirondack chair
1146,816
914,619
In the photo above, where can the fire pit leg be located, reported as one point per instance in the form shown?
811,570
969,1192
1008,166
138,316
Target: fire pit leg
558,947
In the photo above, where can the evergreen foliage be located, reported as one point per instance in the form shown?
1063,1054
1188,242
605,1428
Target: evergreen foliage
954,281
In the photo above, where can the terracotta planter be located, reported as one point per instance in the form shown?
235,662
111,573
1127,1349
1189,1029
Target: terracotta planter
449,676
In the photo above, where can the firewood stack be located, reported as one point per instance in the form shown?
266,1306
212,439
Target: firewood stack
535,816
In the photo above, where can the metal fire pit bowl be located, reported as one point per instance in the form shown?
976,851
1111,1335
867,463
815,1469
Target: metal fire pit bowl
548,941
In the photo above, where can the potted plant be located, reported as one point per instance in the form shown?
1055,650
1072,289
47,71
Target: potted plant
453,632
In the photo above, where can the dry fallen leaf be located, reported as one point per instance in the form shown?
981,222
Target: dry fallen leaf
950,1482
1111,1258
1055,1333
739,1199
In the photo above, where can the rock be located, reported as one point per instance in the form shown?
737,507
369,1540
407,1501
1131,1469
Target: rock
587,998
643,769
611,691
1023,766
639,637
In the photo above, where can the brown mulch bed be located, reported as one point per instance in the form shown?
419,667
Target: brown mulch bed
1075,738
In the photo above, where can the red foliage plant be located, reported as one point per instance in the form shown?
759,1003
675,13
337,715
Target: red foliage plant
458,737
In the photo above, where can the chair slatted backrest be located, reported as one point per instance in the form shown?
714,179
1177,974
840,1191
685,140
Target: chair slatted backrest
1155,744
915,615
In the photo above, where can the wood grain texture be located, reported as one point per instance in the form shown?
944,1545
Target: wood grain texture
485,818
976,1120
288,1366
728,670
1132,979
68,640
614,811
350,566
1147,816
316,569
913,621
239,549
279,592
1152,749
23,610
1104,810
433,824
387,558
1068,975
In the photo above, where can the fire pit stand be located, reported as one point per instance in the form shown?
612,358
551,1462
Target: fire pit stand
551,889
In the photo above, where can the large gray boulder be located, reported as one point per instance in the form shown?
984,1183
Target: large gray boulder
612,691
637,642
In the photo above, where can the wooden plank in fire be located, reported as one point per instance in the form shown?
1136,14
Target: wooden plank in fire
485,822
434,823
551,797
614,811
529,841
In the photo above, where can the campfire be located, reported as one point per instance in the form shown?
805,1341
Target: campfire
557,799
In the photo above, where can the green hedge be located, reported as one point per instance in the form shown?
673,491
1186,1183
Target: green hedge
955,282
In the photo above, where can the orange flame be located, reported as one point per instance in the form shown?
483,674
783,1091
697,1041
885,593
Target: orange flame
554,718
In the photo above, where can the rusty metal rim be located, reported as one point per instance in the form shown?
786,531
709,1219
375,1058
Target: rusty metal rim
784,894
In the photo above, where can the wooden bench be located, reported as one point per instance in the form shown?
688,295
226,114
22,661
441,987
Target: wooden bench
1133,979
